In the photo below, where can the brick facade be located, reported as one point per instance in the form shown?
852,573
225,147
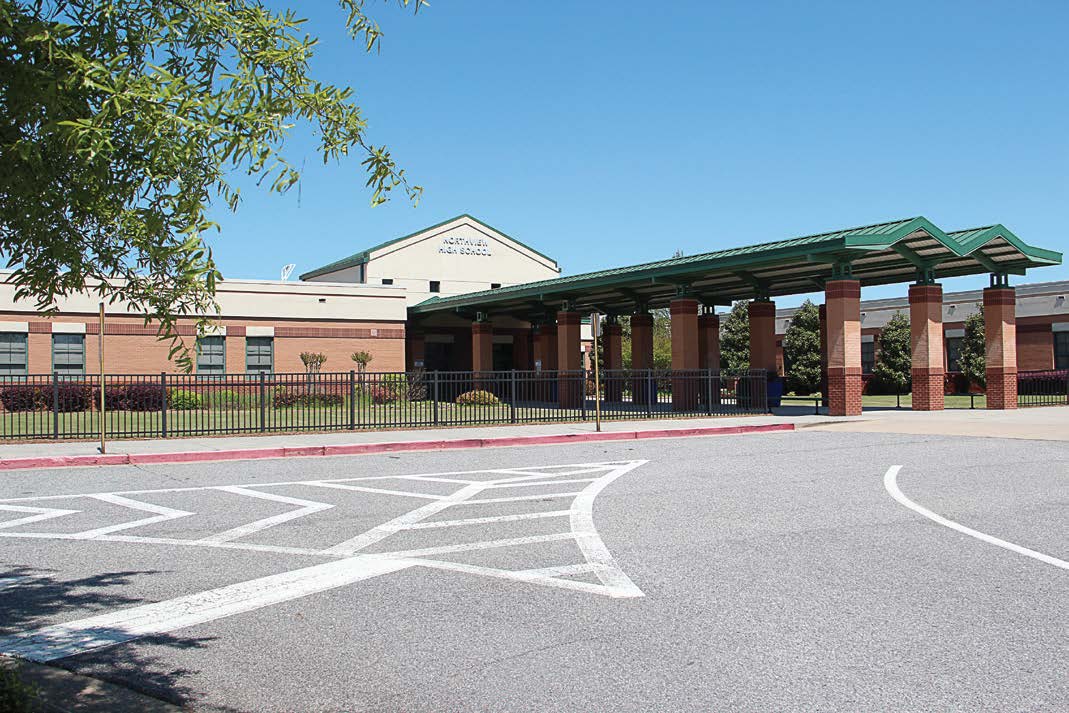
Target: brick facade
926,338
843,300
1000,333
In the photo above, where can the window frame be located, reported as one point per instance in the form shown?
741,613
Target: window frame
952,364
211,373
250,341
25,344
434,286
1064,355
868,365
61,336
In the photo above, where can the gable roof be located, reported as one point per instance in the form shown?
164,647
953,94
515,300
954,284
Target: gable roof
364,255
881,253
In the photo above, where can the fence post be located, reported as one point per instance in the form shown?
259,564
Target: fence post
434,381
263,402
512,396
651,393
708,392
55,405
582,393
163,403
352,400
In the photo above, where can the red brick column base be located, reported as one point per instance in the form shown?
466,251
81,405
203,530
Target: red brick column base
926,343
570,388
1000,333
843,300
928,388
685,381
844,392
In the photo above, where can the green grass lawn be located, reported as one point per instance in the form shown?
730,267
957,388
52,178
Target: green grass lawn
885,401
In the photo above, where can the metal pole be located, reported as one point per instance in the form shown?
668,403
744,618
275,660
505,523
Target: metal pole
595,323
263,402
163,403
103,409
352,400
55,405
435,383
512,396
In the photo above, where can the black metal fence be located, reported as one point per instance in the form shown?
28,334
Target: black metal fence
1043,388
164,405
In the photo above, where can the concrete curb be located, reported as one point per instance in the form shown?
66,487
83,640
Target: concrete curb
62,691
354,449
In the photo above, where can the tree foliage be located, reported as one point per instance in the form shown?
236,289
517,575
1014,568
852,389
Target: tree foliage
121,122
735,337
894,363
972,357
801,350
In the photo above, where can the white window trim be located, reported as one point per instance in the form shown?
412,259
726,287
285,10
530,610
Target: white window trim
1060,327
954,333
23,327
68,327
259,331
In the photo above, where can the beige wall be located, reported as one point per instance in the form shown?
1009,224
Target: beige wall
455,255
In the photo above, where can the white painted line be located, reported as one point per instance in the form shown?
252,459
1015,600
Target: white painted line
307,507
482,520
890,482
168,541
530,578
41,514
386,529
594,550
541,482
560,571
519,498
61,640
162,514
379,491
486,545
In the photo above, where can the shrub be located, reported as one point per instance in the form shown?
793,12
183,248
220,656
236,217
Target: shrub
22,397
16,695
226,398
477,397
380,394
75,397
183,399
284,397
321,399
132,397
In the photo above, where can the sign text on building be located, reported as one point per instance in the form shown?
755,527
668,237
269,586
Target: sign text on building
464,246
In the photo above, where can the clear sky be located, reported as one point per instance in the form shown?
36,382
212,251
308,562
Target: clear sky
613,133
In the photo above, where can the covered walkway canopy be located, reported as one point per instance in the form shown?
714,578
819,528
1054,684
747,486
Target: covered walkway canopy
897,251
839,263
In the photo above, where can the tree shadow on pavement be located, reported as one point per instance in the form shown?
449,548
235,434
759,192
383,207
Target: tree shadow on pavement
31,598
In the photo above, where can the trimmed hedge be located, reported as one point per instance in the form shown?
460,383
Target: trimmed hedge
39,397
132,397
477,397
184,400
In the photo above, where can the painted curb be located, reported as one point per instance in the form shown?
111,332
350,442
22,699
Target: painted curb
354,449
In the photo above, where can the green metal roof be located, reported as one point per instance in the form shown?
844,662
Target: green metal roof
364,255
882,253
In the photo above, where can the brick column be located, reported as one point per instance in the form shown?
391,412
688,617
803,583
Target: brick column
1000,333
641,356
709,351
521,350
763,335
926,337
843,300
234,345
545,347
823,311
482,347
416,351
612,349
569,359
685,377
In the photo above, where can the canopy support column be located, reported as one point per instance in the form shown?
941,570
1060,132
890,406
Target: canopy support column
926,332
1000,334
843,300
482,350
685,382
613,359
570,388
641,356
763,335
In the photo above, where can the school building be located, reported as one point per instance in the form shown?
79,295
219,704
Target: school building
462,295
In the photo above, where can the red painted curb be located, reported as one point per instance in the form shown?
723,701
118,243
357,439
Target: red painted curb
353,449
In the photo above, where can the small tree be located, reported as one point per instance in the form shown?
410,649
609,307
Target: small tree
313,361
362,359
894,365
735,337
972,358
801,349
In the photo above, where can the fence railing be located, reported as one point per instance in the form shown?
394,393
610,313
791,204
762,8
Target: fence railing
1043,388
159,406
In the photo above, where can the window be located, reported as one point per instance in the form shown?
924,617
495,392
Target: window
12,354
387,280
868,357
495,285
1061,350
953,352
211,355
259,355
68,354
436,286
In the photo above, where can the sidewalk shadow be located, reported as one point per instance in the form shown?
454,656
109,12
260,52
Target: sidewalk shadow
32,598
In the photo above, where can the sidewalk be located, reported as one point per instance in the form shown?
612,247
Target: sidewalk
51,454
61,691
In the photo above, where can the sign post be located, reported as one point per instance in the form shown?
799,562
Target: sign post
595,327
103,409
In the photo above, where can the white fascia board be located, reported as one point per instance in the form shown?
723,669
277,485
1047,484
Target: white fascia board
68,327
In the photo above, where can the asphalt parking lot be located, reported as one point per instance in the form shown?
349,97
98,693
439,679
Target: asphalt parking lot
781,571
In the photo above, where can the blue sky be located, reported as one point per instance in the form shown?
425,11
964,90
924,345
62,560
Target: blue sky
607,134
